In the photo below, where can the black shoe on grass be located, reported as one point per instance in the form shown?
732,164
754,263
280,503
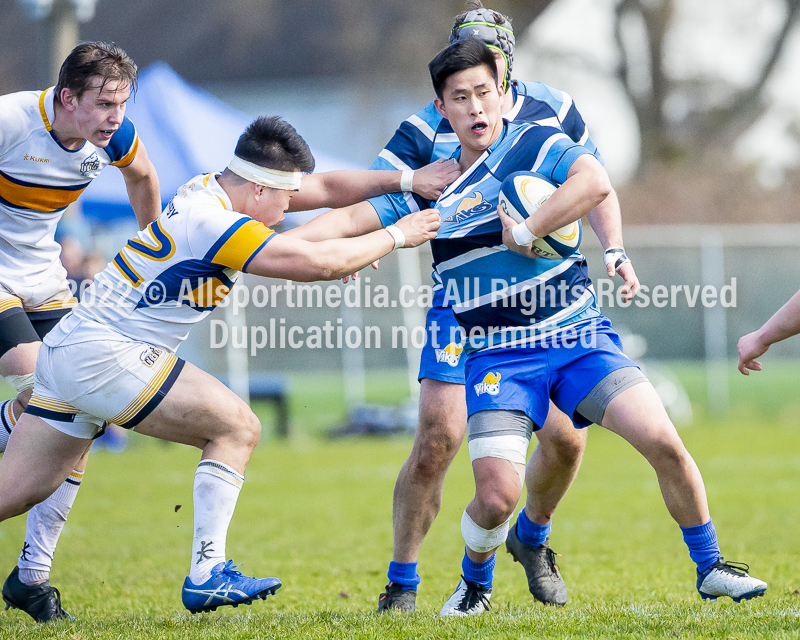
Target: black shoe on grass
544,579
42,602
397,598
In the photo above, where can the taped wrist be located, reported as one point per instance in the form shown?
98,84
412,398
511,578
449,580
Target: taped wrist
522,235
398,235
406,180
615,256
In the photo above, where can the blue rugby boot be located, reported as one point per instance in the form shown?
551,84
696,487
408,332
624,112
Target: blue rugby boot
226,587
729,579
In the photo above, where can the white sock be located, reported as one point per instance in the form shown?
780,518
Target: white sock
216,490
45,522
7,422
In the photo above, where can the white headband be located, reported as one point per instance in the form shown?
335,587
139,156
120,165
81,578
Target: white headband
287,180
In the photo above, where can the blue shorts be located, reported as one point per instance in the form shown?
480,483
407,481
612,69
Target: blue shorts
527,378
444,345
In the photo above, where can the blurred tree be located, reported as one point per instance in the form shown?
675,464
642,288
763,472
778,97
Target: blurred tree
682,112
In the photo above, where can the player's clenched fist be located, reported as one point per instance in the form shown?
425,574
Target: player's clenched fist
419,227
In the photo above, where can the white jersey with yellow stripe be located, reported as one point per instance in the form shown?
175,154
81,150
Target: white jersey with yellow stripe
39,178
171,275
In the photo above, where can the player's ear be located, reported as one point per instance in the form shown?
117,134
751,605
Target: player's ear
68,99
439,104
258,190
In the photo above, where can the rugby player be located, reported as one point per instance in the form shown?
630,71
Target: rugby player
541,337
424,137
53,143
112,359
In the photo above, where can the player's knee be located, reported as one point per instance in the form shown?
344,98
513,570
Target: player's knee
497,501
247,427
566,451
426,465
669,453
15,505
432,454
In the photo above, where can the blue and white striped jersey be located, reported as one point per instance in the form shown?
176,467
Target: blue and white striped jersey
426,137
499,297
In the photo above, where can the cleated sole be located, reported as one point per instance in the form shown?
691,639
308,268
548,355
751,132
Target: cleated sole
262,595
756,593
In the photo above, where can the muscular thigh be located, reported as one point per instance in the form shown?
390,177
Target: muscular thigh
197,408
558,430
442,412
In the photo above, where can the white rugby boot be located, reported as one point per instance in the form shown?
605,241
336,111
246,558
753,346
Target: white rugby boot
469,599
729,579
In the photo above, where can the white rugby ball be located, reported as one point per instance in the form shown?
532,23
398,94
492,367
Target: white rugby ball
521,195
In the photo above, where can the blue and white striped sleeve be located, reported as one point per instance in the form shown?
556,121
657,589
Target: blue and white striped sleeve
411,147
545,150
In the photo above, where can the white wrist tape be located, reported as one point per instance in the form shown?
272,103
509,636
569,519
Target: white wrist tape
483,540
522,235
406,180
21,383
615,256
398,235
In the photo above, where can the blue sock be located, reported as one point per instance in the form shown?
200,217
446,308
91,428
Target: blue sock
531,533
703,545
404,574
480,572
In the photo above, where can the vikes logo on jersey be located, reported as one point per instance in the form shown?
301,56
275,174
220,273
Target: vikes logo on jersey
90,165
150,356
451,354
490,384
470,206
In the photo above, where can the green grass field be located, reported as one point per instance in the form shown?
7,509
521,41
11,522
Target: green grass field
317,514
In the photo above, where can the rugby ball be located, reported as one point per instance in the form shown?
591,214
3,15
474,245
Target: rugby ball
521,194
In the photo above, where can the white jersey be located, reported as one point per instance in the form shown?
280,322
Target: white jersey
171,275
39,178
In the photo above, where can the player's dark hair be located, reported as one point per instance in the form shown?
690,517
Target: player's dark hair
88,59
273,143
461,55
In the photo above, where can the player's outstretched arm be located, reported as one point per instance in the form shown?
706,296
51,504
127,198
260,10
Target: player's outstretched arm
606,222
784,324
296,259
141,181
347,222
344,188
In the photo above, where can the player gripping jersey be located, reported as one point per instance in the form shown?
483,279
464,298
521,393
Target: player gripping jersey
112,358
141,307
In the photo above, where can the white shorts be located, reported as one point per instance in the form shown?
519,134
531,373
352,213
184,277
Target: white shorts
51,294
79,387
